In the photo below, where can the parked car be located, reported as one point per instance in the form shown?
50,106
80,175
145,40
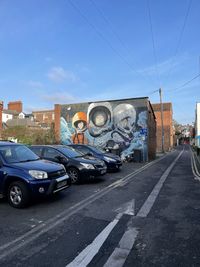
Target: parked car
77,166
23,175
112,161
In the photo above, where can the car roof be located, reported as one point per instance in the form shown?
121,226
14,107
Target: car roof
5,143
53,146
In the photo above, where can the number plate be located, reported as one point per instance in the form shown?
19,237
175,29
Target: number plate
61,184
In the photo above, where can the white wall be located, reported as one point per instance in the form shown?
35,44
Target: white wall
6,117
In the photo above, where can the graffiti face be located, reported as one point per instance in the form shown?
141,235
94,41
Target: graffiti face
124,117
99,118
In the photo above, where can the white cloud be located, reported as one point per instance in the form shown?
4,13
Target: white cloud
58,74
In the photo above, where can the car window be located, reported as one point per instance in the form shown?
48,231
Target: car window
82,149
51,153
37,150
17,153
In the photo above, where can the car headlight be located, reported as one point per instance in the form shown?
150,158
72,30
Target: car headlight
109,159
38,174
88,166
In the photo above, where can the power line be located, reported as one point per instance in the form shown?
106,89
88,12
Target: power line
180,37
186,83
104,39
110,25
153,43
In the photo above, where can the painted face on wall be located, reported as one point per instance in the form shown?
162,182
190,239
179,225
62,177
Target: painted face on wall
99,118
124,117
80,125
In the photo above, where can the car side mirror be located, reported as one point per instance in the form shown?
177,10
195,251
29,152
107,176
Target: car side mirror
89,154
61,159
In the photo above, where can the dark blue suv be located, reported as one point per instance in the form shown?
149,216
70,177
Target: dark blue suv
23,175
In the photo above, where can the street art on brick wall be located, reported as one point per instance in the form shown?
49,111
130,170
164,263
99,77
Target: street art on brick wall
121,125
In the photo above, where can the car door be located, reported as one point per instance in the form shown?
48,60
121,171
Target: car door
1,177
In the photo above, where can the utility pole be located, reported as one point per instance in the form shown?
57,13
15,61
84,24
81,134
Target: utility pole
162,128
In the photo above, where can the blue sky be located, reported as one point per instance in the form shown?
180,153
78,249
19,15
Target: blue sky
67,51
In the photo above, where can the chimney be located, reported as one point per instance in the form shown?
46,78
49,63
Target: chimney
15,106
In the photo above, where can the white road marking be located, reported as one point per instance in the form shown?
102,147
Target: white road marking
129,208
120,254
85,257
146,207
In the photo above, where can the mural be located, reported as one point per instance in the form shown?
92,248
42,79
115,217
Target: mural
117,125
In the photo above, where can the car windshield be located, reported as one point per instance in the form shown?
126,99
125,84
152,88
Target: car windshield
97,150
17,153
70,152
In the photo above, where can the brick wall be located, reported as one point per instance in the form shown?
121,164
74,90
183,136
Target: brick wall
167,126
44,116
15,105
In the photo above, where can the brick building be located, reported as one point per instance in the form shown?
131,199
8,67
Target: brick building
44,116
167,125
128,124
15,106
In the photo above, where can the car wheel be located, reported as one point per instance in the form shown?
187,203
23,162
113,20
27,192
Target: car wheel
74,175
18,195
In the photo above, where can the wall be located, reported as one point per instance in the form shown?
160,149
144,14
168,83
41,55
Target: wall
6,117
121,124
167,126
45,116
15,105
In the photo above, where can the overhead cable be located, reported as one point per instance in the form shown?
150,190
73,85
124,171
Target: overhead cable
105,39
180,37
153,44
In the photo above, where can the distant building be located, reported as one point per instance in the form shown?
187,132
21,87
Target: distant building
9,115
167,126
15,106
44,116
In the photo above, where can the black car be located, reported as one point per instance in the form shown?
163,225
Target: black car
77,166
113,162
24,176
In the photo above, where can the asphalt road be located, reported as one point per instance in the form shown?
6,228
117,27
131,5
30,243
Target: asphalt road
144,215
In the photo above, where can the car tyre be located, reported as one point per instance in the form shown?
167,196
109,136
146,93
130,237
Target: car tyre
18,195
74,175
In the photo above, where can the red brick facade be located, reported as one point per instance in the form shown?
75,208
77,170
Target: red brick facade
15,106
167,125
44,116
